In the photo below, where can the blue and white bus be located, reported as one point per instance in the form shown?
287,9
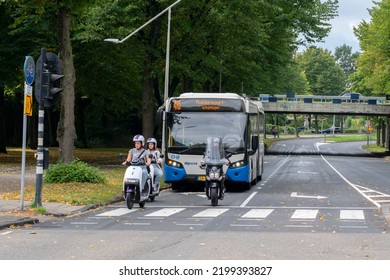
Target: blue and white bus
191,117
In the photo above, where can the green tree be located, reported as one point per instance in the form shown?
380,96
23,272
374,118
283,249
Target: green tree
325,77
239,46
347,61
373,65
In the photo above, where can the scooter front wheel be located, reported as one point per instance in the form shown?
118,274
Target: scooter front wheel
214,196
129,200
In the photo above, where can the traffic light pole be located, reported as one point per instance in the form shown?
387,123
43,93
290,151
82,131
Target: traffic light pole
41,122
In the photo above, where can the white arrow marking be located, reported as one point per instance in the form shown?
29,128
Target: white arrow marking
294,194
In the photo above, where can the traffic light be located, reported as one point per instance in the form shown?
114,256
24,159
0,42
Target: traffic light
48,82
51,88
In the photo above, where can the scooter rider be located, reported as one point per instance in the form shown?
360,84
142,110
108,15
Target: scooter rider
138,151
155,160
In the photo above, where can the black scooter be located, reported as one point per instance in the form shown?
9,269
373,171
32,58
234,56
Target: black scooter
213,162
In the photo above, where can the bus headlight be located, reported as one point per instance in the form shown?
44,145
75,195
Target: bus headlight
237,164
174,163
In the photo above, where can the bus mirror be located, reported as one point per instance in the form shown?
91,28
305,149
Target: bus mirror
255,142
159,115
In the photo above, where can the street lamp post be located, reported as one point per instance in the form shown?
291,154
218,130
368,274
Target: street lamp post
166,83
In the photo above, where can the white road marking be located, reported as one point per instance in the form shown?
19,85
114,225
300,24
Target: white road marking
210,213
304,214
248,199
117,212
83,223
351,215
294,194
299,226
165,212
137,224
258,213
5,233
353,185
307,172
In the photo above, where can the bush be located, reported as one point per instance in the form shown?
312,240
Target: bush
76,171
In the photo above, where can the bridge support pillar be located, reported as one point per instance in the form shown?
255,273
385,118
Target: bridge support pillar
387,141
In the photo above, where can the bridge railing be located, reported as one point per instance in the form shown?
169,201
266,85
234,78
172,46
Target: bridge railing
372,100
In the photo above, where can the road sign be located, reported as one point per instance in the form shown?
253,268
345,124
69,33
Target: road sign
29,70
28,100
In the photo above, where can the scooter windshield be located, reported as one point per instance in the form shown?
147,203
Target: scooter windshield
215,154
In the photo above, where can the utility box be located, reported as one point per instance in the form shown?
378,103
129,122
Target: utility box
45,158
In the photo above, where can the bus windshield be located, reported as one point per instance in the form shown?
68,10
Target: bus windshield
188,131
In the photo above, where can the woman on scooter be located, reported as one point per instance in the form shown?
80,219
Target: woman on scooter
156,160
138,152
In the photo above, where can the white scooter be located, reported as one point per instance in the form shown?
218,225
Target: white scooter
137,183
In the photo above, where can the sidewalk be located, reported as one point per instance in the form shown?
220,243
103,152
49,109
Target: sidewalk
12,215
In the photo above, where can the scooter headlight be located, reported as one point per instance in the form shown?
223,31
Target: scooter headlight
214,174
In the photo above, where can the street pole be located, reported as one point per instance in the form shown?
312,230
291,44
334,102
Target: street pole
167,57
166,84
41,118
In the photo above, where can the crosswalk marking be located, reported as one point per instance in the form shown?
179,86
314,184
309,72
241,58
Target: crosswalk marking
116,212
257,213
304,214
166,212
210,213
351,215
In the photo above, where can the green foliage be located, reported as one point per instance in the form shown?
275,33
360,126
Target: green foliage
325,77
373,65
76,171
347,61
246,46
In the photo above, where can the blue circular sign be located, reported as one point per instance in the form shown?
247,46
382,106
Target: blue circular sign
29,70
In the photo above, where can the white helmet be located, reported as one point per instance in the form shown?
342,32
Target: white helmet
152,140
139,138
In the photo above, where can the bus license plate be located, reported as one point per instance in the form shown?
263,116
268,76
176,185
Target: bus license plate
202,178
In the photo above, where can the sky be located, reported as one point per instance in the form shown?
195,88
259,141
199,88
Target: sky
351,13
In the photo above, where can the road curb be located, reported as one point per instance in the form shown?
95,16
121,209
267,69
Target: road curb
19,222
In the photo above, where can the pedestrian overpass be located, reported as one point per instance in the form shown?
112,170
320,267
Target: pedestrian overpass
329,105
326,105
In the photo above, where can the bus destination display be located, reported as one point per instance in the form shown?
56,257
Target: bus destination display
213,105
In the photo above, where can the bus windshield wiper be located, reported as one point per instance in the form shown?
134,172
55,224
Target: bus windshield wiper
192,148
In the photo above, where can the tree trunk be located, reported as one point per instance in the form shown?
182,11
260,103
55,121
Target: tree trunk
3,149
147,102
66,131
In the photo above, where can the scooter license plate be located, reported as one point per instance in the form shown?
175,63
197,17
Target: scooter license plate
202,178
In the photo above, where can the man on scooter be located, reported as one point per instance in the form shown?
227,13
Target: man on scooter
156,160
138,152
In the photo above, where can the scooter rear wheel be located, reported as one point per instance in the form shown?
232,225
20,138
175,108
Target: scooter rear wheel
129,200
142,204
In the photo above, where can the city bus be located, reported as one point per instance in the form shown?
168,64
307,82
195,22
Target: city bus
191,117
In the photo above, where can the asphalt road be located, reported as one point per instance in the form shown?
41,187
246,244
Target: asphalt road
308,206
